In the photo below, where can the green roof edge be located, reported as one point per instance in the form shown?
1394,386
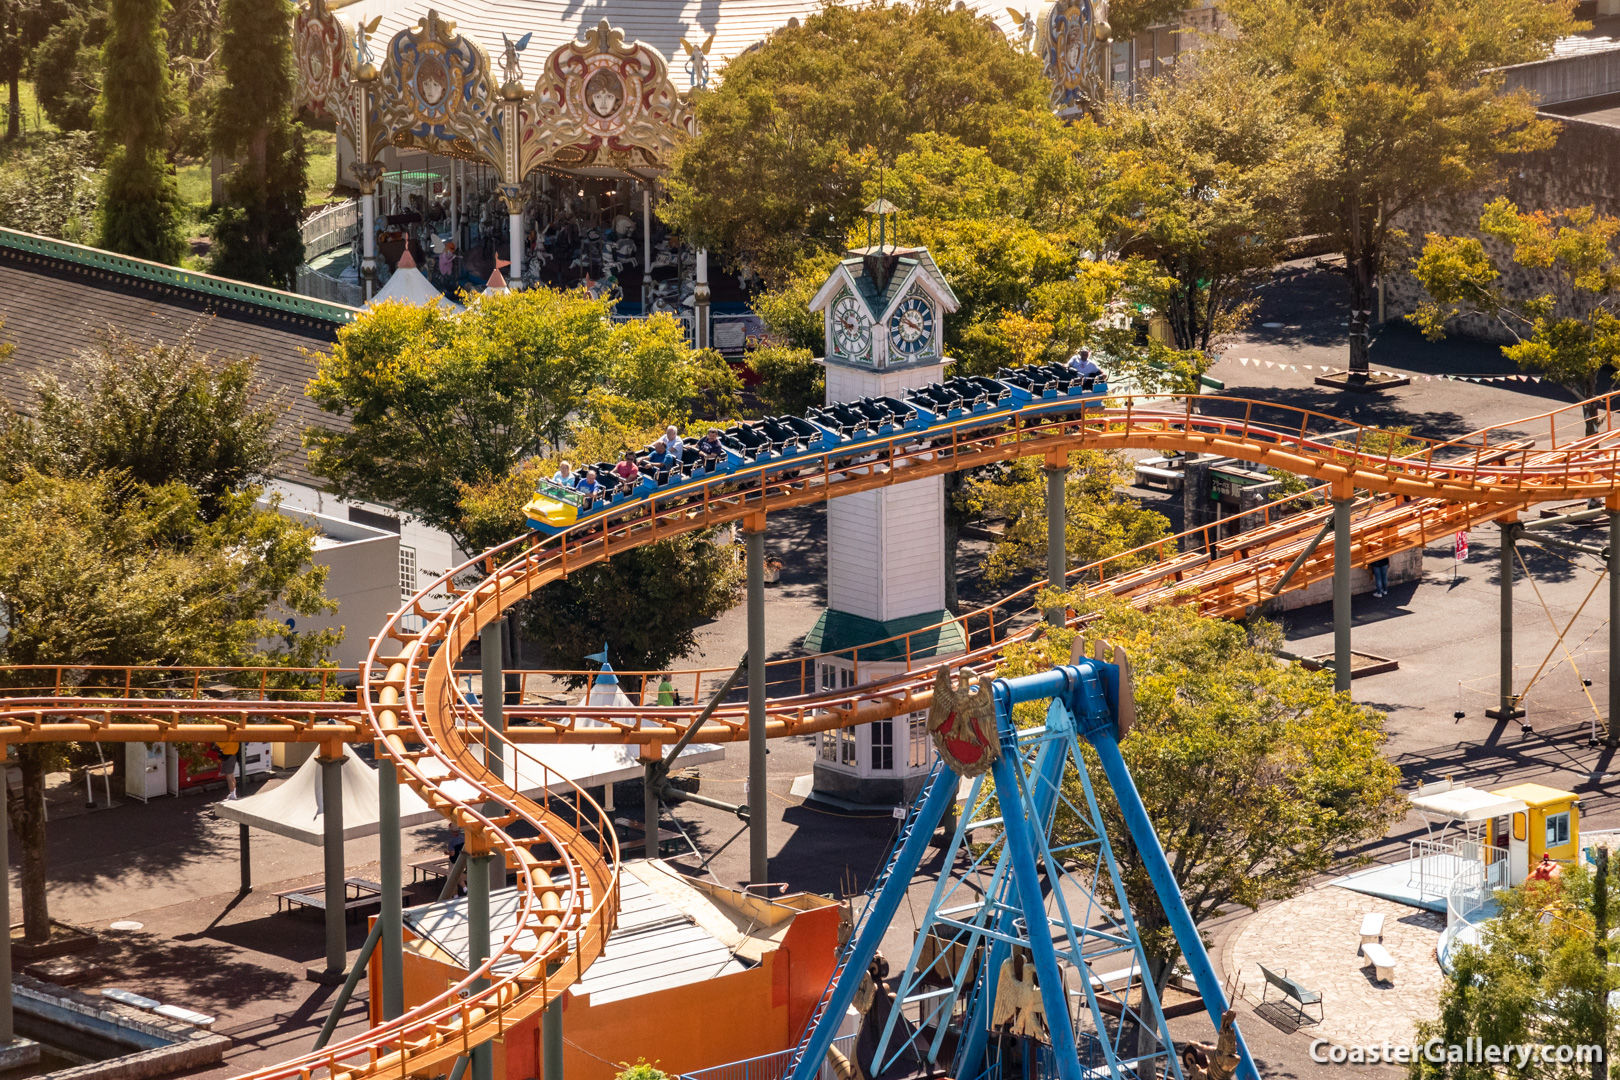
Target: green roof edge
208,284
946,639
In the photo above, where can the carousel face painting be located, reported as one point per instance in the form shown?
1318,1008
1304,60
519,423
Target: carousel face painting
604,92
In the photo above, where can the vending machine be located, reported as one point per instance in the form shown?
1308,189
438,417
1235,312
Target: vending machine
145,774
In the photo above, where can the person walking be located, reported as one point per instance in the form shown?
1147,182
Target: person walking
1380,576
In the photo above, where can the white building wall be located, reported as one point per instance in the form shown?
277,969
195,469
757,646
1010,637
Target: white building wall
885,548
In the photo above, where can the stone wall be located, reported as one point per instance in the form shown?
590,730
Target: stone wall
1581,169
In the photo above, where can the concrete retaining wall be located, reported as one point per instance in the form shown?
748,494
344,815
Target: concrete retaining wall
1567,78
1403,567
160,1046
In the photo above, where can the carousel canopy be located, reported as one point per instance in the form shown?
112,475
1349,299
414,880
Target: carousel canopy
583,89
735,24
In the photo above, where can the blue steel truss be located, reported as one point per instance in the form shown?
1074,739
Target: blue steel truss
1105,1019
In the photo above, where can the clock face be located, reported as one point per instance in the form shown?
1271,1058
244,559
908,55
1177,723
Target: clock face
911,327
852,333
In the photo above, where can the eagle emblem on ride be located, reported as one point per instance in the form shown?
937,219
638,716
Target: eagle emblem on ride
962,720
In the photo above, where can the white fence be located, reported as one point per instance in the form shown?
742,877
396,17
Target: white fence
1438,865
311,282
333,227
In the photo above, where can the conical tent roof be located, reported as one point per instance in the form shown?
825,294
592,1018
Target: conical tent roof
296,808
412,286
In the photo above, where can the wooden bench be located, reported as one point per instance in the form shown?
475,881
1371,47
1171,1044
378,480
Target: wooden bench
1383,964
1372,928
359,894
431,870
1291,989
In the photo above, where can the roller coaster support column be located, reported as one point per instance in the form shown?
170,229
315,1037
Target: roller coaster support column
1507,707
1057,521
651,777
551,1038
758,852
492,699
7,1033
480,867
390,920
1343,499
1612,735
337,936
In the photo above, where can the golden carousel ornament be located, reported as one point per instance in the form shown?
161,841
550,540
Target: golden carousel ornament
962,720
1075,38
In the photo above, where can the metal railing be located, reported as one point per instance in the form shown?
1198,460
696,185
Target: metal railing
332,227
311,282
1437,866
766,1066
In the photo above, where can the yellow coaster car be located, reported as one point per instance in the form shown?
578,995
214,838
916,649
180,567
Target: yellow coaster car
552,509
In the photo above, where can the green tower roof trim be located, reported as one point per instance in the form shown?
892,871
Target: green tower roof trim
841,632
172,276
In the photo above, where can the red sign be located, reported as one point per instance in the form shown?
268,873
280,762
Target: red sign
1461,552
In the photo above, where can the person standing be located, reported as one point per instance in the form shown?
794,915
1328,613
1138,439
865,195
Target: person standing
1380,576
666,690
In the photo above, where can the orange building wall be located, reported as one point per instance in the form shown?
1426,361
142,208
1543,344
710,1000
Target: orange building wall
741,1015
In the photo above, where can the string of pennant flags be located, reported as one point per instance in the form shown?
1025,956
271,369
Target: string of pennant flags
1247,361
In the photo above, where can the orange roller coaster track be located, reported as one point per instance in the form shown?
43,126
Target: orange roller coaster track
407,702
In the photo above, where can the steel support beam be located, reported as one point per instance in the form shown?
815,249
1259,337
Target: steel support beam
492,700
1057,545
1343,660
244,857
551,1042
7,1030
758,851
391,919
337,938
1507,705
342,1002
478,875
1612,736
651,777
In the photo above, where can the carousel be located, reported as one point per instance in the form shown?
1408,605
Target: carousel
545,162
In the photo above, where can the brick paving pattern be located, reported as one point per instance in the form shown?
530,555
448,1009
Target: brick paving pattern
1314,938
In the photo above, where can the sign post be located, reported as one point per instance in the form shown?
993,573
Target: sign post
1459,553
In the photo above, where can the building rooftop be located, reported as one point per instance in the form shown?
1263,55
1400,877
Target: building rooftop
55,297
841,632
657,945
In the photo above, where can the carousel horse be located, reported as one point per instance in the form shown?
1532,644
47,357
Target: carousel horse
1201,1061
874,1001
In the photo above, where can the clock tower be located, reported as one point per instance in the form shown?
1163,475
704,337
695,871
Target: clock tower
885,309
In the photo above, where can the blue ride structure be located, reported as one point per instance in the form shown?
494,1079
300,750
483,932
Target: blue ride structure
1029,869
841,431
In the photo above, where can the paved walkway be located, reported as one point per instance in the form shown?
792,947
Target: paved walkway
1314,939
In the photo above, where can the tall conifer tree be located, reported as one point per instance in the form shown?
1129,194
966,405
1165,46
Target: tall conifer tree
140,212
256,233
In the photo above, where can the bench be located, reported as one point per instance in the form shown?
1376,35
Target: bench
1291,989
431,870
1372,928
1383,964
358,892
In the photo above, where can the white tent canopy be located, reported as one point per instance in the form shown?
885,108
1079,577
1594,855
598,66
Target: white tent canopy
587,765
410,285
296,808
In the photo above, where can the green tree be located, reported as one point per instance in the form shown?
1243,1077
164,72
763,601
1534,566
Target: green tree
156,413
1214,165
645,603
1100,521
1570,334
66,68
797,127
99,569
1410,101
140,213
1540,974
438,400
1256,775
51,187
256,235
